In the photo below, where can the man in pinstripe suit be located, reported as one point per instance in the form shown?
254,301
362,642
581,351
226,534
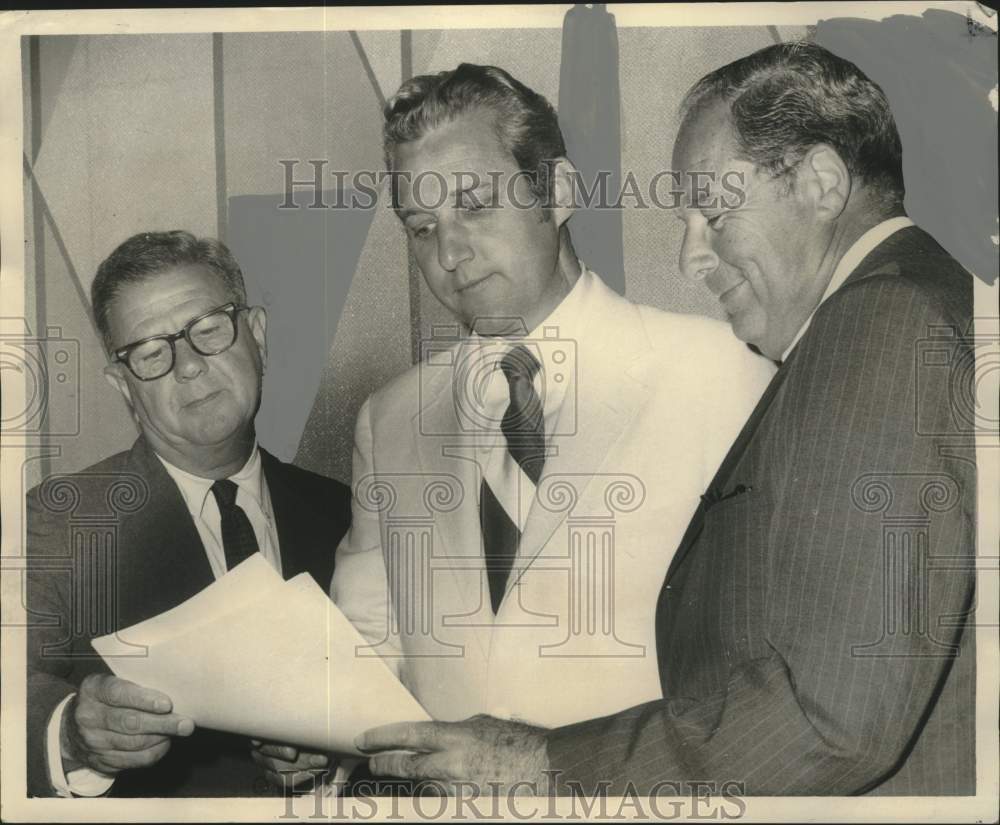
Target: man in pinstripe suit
814,628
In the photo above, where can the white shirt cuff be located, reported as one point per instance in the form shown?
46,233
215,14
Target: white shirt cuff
79,782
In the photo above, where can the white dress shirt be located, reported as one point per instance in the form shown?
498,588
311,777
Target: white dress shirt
252,495
255,499
488,392
857,252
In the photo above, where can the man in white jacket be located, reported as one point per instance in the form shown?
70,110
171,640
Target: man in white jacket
516,492
514,567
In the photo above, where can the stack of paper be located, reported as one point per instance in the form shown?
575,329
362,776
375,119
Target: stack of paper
268,658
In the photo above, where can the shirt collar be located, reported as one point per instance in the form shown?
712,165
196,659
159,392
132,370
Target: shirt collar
195,489
857,252
562,324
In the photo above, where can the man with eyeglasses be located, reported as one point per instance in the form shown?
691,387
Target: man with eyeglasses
191,499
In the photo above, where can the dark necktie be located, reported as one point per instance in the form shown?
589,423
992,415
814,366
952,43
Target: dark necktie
238,539
523,426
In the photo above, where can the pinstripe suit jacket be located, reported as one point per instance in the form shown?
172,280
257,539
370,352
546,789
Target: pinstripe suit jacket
811,630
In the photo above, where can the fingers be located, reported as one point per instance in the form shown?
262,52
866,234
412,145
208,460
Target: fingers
285,758
130,722
113,724
286,767
414,765
108,741
417,736
109,703
136,722
285,753
120,693
112,761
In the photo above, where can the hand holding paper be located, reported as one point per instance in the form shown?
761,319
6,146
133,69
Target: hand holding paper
112,724
271,659
287,766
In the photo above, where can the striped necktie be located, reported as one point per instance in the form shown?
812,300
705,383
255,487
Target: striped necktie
523,426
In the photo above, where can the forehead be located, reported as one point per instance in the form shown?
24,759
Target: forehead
467,143
164,302
706,140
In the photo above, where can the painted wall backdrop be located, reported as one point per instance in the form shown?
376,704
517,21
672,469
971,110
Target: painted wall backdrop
127,133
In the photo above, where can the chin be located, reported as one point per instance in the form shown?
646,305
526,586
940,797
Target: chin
747,328
218,431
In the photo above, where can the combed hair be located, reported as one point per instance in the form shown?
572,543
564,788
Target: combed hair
146,255
525,122
787,98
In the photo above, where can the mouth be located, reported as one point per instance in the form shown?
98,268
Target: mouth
729,291
473,285
200,402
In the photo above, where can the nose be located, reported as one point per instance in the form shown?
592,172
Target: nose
453,245
698,260
188,364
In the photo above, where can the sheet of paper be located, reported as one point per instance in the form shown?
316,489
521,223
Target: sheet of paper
268,658
248,582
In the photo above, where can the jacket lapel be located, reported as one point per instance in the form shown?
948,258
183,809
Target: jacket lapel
906,242
610,389
294,540
163,561
729,463
444,447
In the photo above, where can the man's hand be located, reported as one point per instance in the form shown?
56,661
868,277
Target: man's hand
288,767
113,724
482,754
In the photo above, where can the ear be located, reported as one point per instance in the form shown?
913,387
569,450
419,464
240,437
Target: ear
825,181
257,320
564,183
113,375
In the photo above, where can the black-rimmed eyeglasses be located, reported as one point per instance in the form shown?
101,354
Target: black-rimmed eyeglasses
209,334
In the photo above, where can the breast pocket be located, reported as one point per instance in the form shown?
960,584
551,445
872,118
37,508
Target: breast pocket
733,521
732,551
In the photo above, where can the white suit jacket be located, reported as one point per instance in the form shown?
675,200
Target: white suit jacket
654,401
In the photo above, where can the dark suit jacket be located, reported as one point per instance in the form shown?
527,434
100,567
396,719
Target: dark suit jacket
812,631
114,545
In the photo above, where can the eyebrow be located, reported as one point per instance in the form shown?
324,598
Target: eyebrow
484,185
196,317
